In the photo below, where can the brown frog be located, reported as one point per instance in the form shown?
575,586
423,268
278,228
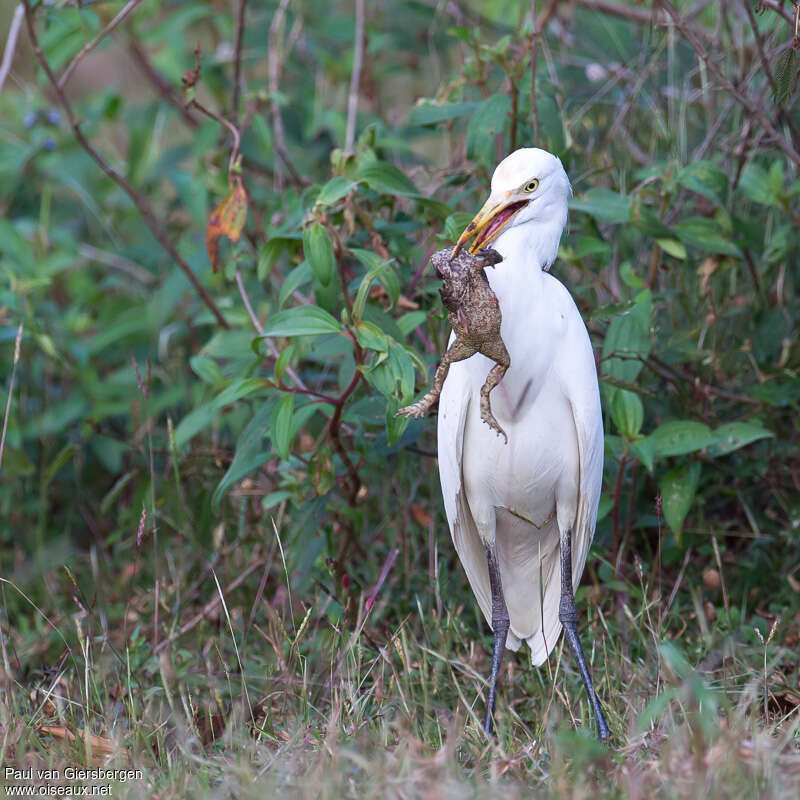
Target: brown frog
475,316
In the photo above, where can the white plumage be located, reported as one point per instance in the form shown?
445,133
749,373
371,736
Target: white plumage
522,497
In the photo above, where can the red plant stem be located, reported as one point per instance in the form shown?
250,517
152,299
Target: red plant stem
334,432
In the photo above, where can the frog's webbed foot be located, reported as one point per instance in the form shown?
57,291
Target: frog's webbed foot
420,408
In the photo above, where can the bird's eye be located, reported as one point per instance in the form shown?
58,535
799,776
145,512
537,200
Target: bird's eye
531,186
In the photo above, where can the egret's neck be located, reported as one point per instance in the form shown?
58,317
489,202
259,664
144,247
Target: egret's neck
530,246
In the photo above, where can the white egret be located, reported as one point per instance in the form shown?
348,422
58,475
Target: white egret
522,514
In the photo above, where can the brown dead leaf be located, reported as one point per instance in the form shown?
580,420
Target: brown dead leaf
706,270
227,219
407,304
101,748
793,582
421,516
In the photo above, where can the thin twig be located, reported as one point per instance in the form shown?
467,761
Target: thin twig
676,585
17,343
89,46
753,108
298,381
237,60
117,262
11,43
209,606
229,125
718,559
160,83
147,213
355,78
274,73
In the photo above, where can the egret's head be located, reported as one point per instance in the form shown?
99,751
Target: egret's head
529,187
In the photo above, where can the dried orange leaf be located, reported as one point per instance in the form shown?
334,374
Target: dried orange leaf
101,748
227,219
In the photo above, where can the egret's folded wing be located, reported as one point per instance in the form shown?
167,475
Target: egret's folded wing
454,405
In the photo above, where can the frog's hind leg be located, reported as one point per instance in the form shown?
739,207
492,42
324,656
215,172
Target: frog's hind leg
458,351
498,353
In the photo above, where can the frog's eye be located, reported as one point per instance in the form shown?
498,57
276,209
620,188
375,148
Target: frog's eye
531,186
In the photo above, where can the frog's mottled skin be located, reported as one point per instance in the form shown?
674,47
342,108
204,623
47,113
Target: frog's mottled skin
475,316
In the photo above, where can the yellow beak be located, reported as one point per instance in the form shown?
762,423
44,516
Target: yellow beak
489,223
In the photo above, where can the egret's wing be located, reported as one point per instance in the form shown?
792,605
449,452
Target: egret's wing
589,428
454,406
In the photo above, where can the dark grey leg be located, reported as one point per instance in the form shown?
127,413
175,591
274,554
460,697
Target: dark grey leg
500,624
568,615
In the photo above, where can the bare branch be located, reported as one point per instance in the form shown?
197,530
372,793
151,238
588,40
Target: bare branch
159,82
11,43
753,108
276,28
89,46
147,213
229,125
237,59
534,42
355,78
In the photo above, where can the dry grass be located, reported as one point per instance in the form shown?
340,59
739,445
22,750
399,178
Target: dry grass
253,701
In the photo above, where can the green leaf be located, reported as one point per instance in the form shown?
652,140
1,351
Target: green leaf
678,487
432,113
250,453
301,321
281,427
679,437
54,467
455,224
627,412
755,184
269,253
734,435
487,120
372,275
673,248
204,415
706,179
371,337
395,426
318,250
627,342
298,277
706,235
335,189
604,205
409,321
386,178
206,369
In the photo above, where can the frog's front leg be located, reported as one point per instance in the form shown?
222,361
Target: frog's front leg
458,351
